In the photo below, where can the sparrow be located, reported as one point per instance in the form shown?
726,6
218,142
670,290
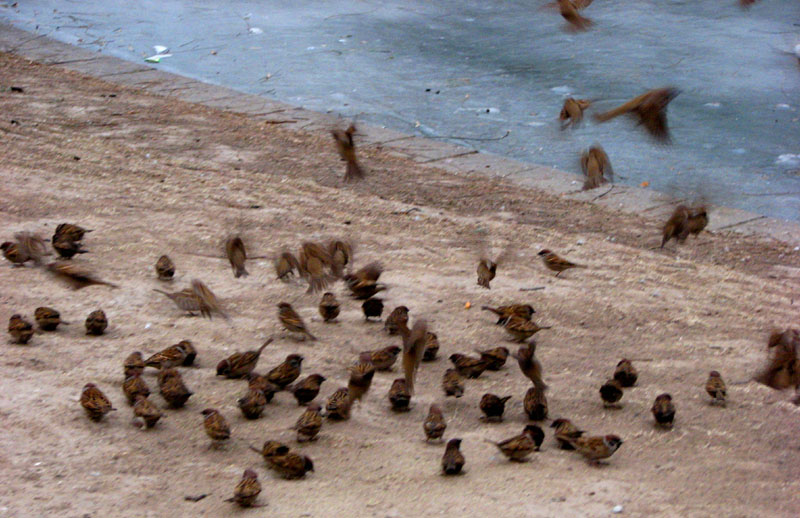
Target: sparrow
698,220
452,383
413,348
570,13
338,405
15,253
783,368
487,269
208,301
347,152
611,393
239,365
626,373
715,387
519,447
134,386
26,247
73,232
165,268
434,424
556,263
520,329
285,265
172,356
398,317
341,253
237,255
66,247
271,450
247,490
258,382
361,375
651,110
523,311
494,358
453,460
535,404
145,413
172,388
493,407
307,389
363,283
291,465
75,276
309,424
382,359
185,299
596,167
216,426
399,396
191,352
530,366
663,410
431,347
684,221
47,318
572,111
329,307
96,323
95,402
134,364
373,308
313,260
252,404
20,329
566,433
594,449
291,321
286,372
467,366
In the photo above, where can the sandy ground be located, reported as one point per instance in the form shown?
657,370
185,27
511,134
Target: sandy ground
152,175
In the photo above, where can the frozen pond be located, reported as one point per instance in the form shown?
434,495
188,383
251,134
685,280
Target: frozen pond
493,75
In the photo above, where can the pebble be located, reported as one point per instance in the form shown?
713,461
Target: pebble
617,509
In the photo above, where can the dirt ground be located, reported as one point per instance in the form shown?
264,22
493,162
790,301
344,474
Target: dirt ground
153,175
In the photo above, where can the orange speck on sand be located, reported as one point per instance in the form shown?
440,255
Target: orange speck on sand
645,183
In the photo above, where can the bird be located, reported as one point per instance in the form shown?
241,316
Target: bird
66,247
133,364
271,450
684,221
556,263
487,270
468,366
208,301
651,110
363,283
361,375
135,386
329,307
239,365
172,388
338,405
431,347
493,407
434,425
341,253
291,321
96,323
247,490
530,366
715,387
494,358
399,396
47,319
520,329
20,329
25,247
372,308
258,382
453,460
309,424
382,359
347,152
535,404
286,372
523,311
572,112
566,433
664,410
216,426
596,167
15,253
452,383
185,299
252,404
307,389
626,373
75,276
413,348
783,367
94,402
398,317
519,447
594,449
611,393
291,465
172,356
313,260
71,231
286,264
698,220
145,413
570,13
237,255
165,268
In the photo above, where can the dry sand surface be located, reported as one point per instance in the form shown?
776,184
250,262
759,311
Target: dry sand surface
153,175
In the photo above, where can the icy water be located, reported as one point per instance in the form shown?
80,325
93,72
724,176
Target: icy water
493,75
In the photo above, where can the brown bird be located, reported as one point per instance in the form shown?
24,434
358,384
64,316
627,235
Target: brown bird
216,426
252,404
258,382
47,318
434,424
715,387
71,231
611,393
452,383
382,359
413,348
134,364
663,410
314,259
399,396
134,386
165,268
26,247
363,283
361,375
338,405
172,388
96,323
309,424
185,299
453,460
239,365
271,450
566,433
66,247
596,167
329,307
556,263
521,329
783,367
75,276
493,407
372,308
341,253
530,366
487,269
247,490
431,347
237,255
20,329
535,404
95,402
285,265
698,220
684,221
626,373
572,112
291,465
145,413
286,372
398,317
14,253
523,311
172,356
208,301
291,321
651,110
494,358
468,366
595,449
307,389
570,13
519,447
347,152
